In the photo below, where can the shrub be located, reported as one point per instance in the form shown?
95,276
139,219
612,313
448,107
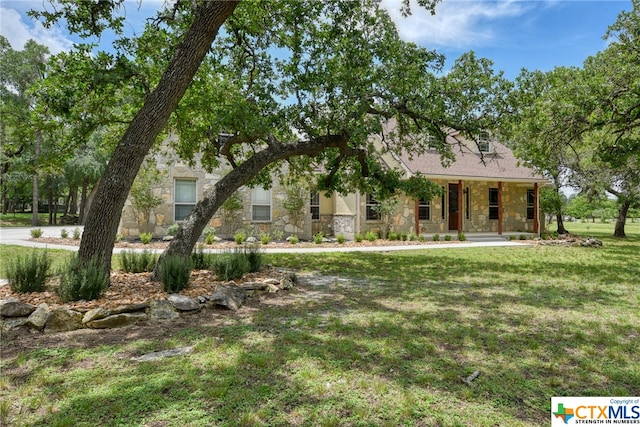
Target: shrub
421,238
254,256
404,237
175,272
119,237
145,238
413,237
393,235
231,266
265,238
78,282
36,233
29,273
278,234
317,238
341,239
201,260
209,234
138,262
173,229
293,239
462,237
371,236
436,237
239,237
447,237
76,234
64,234
523,237
358,237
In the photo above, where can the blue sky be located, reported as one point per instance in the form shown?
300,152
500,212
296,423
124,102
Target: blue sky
514,34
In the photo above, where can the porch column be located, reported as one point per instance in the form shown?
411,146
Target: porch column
460,206
500,208
536,220
416,212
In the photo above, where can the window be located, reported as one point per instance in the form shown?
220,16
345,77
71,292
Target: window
315,206
260,204
484,143
432,142
443,202
372,208
467,204
531,198
493,203
424,209
185,198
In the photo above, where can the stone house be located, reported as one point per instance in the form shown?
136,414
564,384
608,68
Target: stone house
484,190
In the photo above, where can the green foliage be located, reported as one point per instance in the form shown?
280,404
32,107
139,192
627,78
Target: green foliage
318,237
28,273
82,282
358,237
143,193
138,262
76,234
230,266
393,235
421,238
200,260
413,237
229,212
447,237
173,229
340,238
64,234
209,235
265,238
175,272
36,233
239,237
146,238
462,237
523,237
371,236
436,237
293,239
119,237
254,257
297,197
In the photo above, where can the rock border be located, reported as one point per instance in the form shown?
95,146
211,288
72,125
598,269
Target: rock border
15,313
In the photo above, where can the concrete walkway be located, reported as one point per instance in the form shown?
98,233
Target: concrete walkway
20,236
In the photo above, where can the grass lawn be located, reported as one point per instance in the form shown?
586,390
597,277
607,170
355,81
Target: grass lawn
385,346
21,219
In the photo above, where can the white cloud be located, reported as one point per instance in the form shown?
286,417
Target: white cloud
18,32
456,24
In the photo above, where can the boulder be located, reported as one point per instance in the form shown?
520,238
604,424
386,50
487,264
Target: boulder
183,303
39,317
62,320
13,323
231,297
117,320
162,310
15,308
131,308
95,314
288,281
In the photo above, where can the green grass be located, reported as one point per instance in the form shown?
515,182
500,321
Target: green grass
21,219
385,347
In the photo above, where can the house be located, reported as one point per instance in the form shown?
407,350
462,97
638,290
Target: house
484,190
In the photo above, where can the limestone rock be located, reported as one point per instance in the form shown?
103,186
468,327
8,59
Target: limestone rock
117,320
95,314
39,317
13,323
131,308
163,354
62,320
183,303
288,281
162,310
231,297
15,308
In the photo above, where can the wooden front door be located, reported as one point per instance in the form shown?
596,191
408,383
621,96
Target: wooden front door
453,206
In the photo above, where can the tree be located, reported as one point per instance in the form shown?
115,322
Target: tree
143,197
85,18
346,73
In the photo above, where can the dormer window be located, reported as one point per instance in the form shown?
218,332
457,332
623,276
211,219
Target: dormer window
484,143
432,142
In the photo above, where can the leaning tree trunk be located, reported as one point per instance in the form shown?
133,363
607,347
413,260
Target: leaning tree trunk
191,228
105,211
622,219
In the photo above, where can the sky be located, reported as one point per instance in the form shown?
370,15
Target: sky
514,34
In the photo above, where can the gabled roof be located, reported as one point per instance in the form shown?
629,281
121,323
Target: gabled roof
499,165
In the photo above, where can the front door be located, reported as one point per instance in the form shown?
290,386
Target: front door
453,207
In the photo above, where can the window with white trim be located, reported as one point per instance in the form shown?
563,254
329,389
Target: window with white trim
373,214
184,198
484,143
314,204
424,209
260,205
